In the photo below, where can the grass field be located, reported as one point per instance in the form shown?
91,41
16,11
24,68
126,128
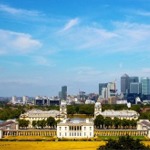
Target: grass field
69,145
105,138
63,145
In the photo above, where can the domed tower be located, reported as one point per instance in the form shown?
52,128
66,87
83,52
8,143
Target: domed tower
63,108
98,109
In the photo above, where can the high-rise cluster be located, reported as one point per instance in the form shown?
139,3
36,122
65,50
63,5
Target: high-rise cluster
131,87
107,90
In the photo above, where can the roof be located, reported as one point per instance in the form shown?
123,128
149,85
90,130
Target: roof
76,122
121,113
145,123
35,113
7,123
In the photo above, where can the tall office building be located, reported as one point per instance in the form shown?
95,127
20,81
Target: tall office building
133,79
111,89
64,92
101,86
125,84
14,99
25,99
145,81
135,88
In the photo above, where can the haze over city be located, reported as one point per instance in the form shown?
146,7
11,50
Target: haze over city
80,43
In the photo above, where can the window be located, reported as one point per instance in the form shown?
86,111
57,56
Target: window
60,134
90,128
59,128
65,128
84,128
90,133
65,134
84,133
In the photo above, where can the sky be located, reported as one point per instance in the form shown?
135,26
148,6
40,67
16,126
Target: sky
45,44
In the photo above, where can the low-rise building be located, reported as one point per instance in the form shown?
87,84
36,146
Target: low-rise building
144,124
75,128
121,114
8,126
35,115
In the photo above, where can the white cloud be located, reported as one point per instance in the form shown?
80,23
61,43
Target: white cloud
86,74
15,11
142,13
11,42
41,60
123,37
71,23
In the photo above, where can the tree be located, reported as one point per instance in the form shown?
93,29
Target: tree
71,110
51,122
99,121
108,122
133,123
34,123
23,123
116,122
124,143
125,123
41,123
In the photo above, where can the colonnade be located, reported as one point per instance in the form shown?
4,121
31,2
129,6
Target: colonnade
30,133
120,132
78,133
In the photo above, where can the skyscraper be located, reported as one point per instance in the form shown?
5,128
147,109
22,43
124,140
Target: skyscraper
145,85
64,92
135,88
124,84
133,79
101,86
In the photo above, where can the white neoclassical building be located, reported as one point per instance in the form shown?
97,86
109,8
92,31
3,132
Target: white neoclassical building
36,114
121,114
144,124
75,128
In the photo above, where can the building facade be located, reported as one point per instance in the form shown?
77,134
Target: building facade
101,86
145,86
135,88
124,84
121,114
64,92
71,128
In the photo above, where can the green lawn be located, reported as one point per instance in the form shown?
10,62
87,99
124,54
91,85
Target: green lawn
105,138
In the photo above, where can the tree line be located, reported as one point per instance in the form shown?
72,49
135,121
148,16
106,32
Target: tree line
87,109
11,111
49,122
100,122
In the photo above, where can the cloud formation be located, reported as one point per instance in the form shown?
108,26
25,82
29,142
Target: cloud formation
15,11
70,24
11,42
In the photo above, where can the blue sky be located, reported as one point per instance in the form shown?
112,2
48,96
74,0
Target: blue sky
45,44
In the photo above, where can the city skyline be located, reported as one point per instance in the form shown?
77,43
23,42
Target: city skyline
45,45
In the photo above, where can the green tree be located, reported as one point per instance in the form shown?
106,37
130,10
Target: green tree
34,123
99,121
41,123
116,122
124,143
108,122
133,123
71,109
23,123
51,122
